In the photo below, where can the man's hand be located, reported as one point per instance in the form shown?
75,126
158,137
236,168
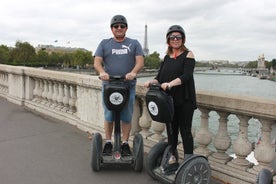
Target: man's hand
130,76
104,76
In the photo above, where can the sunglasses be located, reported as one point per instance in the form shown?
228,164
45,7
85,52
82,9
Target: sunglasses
116,26
177,37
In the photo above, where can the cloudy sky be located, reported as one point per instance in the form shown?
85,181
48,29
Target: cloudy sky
234,30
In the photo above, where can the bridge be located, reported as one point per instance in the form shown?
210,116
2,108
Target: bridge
76,100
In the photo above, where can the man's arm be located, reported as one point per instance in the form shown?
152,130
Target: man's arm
98,65
138,66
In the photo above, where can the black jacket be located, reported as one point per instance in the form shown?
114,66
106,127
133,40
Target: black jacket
182,68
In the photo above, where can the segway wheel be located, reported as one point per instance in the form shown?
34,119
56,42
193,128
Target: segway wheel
264,177
154,158
196,171
138,152
96,152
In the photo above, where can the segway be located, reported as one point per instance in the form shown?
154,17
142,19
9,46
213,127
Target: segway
116,95
194,169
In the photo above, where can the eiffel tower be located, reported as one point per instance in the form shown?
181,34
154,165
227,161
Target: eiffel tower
146,49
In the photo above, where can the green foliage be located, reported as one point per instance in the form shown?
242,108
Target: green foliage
82,58
252,64
4,54
23,54
153,60
42,58
273,63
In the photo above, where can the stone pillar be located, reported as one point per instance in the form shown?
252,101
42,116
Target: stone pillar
72,100
241,146
158,129
203,136
44,92
60,95
145,121
264,152
50,93
65,99
35,92
222,140
55,94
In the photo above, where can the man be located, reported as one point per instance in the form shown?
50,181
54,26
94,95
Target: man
119,56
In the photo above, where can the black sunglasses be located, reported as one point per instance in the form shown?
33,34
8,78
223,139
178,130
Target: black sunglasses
116,26
173,37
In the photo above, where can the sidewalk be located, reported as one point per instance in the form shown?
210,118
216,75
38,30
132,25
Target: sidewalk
39,150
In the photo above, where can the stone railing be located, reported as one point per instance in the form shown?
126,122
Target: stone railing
76,99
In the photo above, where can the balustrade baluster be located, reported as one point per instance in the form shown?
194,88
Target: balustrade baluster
55,95
45,92
158,129
72,100
60,96
241,146
50,93
145,121
35,91
222,140
135,128
203,136
39,91
264,152
65,99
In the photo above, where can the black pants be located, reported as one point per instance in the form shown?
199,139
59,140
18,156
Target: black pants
182,121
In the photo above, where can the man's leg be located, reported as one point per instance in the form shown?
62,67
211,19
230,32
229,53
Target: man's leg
108,127
126,127
125,149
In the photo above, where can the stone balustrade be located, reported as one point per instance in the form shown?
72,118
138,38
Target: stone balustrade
76,99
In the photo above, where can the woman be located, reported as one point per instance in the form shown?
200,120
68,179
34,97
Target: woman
176,74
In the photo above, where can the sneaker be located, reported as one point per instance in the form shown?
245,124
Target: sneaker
125,150
107,148
172,160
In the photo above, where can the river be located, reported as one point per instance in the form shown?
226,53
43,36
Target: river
232,84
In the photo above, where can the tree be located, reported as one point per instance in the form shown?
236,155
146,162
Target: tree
153,60
4,54
23,54
273,63
252,64
42,58
82,58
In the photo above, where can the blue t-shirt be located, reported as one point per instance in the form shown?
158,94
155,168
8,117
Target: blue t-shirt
119,57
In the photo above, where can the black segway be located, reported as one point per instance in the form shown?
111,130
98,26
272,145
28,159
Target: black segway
194,169
116,95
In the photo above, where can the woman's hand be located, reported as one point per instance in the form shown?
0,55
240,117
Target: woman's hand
165,86
147,84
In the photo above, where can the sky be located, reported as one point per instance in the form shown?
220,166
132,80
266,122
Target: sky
233,30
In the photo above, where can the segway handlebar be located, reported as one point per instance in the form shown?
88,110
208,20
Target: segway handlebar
114,77
158,86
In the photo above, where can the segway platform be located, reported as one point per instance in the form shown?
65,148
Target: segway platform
195,169
111,159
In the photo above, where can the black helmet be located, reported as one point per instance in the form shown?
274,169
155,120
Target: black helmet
175,28
118,19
